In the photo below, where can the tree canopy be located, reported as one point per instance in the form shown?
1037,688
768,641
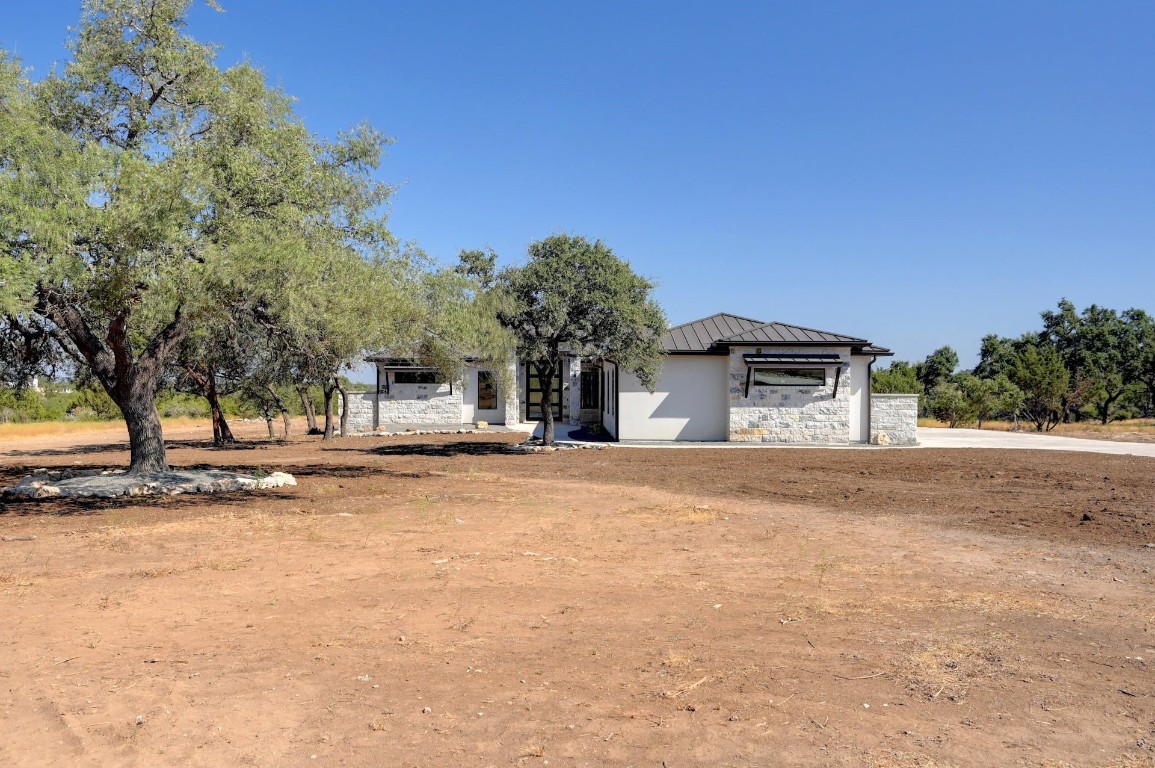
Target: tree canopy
143,188
1097,363
578,296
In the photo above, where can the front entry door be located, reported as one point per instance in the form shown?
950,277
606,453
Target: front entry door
534,386
482,401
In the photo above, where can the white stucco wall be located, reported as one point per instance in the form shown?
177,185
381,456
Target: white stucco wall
789,414
689,402
609,416
859,398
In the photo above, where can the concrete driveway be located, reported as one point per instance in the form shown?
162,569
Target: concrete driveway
982,438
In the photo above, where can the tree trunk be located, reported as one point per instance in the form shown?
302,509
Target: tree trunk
330,388
281,407
1105,408
547,374
310,412
222,434
145,437
128,379
268,420
344,407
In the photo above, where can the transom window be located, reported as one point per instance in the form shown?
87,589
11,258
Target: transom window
417,377
789,377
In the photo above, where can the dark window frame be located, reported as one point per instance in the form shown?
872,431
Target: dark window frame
530,375
801,370
418,377
590,389
489,389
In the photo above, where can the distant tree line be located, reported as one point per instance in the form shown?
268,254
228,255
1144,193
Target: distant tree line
1096,364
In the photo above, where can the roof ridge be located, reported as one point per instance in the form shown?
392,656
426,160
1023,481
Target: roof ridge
720,314
815,330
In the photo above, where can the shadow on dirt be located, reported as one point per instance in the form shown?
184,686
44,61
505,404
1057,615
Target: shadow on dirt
199,445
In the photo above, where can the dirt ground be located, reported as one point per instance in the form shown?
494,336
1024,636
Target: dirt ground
437,601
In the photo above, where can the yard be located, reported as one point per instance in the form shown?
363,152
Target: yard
436,601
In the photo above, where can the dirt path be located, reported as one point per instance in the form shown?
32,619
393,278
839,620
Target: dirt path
744,608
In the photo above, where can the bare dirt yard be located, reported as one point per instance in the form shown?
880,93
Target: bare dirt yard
434,601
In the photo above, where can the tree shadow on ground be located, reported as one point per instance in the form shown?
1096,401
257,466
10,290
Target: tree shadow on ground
93,505
437,450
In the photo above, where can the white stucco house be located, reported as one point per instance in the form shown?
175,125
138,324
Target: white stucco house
725,378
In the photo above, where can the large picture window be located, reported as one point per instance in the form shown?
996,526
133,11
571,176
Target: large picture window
789,377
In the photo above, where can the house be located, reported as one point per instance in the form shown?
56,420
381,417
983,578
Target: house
725,378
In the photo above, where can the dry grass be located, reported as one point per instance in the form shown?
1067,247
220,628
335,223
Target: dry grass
948,670
1139,426
48,428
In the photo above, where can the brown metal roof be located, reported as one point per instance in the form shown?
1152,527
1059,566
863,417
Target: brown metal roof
783,333
701,335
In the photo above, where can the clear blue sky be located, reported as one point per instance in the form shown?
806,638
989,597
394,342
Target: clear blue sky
919,173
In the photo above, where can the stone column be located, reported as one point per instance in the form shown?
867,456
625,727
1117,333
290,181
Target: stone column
575,390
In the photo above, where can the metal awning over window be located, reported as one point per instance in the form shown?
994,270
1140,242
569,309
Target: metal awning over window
794,360
401,364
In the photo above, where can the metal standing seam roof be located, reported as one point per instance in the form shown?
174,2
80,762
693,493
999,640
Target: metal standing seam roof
721,330
702,335
783,333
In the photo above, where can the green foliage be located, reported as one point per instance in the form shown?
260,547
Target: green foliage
990,398
899,377
937,367
577,295
146,195
947,402
92,402
1038,371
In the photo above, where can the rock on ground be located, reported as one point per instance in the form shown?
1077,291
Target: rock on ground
113,483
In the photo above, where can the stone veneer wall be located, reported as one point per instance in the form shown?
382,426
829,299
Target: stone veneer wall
788,414
421,404
896,416
511,401
360,411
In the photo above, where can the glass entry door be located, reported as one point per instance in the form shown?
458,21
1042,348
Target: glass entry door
534,386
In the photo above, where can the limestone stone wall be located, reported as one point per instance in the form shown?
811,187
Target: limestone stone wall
360,411
511,400
807,415
895,416
421,404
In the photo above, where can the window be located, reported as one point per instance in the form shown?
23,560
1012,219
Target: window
417,377
789,377
591,388
535,386
486,391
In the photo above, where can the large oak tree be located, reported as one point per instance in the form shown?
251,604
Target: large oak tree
576,296
142,185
